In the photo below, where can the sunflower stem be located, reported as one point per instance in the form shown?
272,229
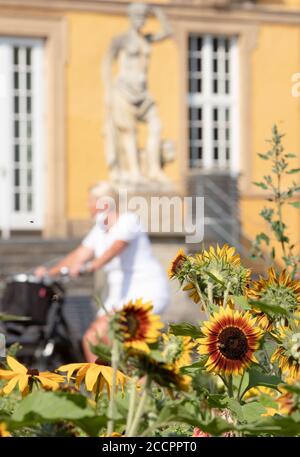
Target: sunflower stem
111,407
240,386
226,294
230,386
202,300
132,401
210,294
140,408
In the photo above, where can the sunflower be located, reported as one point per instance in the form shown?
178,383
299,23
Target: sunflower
277,290
4,433
287,353
96,376
26,378
231,338
138,327
287,403
177,264
164,374
221,267
177,350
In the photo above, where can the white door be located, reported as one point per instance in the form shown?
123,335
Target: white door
21,134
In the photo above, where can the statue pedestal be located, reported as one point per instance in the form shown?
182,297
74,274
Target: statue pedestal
160,207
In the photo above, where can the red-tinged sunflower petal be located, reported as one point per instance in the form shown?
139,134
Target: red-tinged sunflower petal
16,366
230,342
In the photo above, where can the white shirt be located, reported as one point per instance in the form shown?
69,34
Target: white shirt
135,272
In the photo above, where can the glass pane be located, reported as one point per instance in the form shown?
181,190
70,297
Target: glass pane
16,129
216,153
17,153
28,56
17,177
16,80
28,105
16,105
29,153
28,129
17,202
29,178
29,202
28,81
16,56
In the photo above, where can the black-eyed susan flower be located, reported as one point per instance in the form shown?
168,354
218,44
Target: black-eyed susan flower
4,433
231,338
221,267
177,350
26,378
96,376
138,326
177,264
287,354
278,290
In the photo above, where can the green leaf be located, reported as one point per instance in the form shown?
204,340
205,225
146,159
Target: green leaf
275,425
185,329
267,401
261,184
293,171
252,411
263,156
212,276
180,413
295,204
102,351
242,301
290,156
269,308
51,407
194,368
257,378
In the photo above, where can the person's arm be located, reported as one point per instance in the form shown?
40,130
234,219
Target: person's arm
73,261
166,29
115,249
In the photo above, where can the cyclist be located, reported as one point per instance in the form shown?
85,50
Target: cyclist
119,245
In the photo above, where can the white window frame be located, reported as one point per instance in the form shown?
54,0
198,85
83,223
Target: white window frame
9,218
207,100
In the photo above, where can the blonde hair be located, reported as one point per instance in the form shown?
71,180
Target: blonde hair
104,189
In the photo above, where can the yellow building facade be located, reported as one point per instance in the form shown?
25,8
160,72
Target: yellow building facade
76,35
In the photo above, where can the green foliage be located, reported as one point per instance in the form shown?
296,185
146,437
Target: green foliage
185,329
279,198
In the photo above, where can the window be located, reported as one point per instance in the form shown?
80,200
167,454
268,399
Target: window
21,127
213,102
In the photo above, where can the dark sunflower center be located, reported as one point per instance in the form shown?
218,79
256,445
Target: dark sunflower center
233,343
102,362
33,372
133,323
178,263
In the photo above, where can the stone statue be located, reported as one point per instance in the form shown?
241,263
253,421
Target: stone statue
128,102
